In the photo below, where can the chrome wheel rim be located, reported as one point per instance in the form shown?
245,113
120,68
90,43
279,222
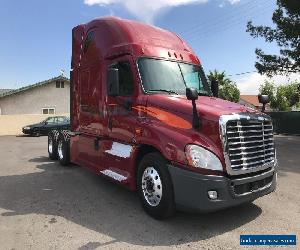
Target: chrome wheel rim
60,150
152,186
50,145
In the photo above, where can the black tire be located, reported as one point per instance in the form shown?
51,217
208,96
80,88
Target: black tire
166,206
63,151
36,133
52,151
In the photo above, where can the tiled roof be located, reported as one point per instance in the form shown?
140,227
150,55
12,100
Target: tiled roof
15,91
252,99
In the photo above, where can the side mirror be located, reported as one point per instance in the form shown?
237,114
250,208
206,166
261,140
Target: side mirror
191,94
113,82
263,99
215,88
45,123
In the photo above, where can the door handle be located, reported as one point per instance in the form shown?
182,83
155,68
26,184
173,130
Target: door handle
110,122
96,143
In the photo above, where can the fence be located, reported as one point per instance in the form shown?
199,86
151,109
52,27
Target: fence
286,122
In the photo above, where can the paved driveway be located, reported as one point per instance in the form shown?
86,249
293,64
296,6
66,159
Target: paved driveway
46,206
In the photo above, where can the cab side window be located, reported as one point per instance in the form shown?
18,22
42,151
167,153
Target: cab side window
126,86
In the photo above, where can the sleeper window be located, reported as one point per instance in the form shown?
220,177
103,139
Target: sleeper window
88,41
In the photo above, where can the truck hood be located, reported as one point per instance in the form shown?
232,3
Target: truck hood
176,112
209,108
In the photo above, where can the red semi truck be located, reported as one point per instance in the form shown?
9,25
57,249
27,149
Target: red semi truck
144,116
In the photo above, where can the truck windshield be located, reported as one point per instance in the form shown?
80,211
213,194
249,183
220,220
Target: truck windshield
171,77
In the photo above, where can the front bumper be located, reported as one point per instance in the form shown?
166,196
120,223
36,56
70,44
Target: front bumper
27,131
190,189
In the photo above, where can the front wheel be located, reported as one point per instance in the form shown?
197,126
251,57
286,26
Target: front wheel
155,187
36,133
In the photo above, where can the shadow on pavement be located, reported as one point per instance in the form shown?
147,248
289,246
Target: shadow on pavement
97,204
40,159
288,154
23,135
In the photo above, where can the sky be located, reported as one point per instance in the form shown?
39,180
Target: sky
35,36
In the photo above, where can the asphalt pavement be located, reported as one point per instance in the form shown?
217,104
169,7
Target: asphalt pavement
46,206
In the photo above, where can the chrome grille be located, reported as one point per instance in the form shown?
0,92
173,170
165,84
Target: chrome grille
248,142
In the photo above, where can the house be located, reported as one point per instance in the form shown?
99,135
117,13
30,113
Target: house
251,101
47,97
2,91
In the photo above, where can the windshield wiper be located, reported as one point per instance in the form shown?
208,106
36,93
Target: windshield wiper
163,90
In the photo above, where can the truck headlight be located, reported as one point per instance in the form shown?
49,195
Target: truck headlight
199,157
26,128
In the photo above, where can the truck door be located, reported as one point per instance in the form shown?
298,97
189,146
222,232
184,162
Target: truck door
121,120
90,116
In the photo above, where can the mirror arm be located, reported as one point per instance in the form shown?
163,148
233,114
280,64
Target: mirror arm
192,95
127,104
215,88
196,119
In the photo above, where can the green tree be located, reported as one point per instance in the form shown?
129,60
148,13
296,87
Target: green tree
282,102
283,97
268,88
227,89
286,34
292,93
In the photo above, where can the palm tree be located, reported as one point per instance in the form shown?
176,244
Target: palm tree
227,88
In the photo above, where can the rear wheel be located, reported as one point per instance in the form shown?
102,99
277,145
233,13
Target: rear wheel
52,147
63,151
155,187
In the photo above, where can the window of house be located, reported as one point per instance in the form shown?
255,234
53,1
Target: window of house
48,111
60,84
126,86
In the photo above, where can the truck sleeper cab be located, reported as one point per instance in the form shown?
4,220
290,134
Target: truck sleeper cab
143,115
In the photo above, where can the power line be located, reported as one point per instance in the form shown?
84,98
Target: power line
228,25
227,16
230,21
243,73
